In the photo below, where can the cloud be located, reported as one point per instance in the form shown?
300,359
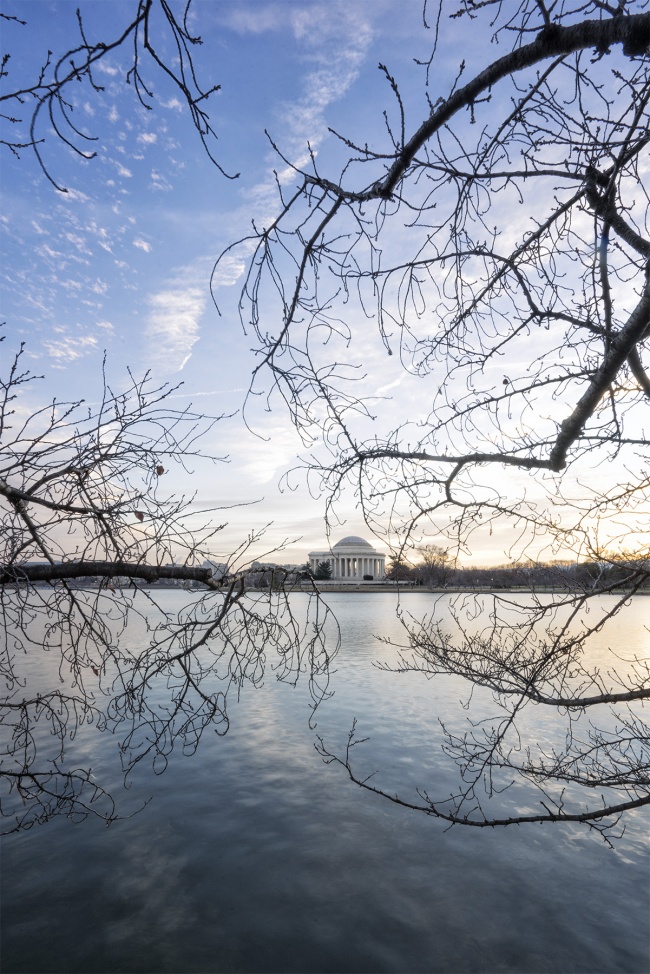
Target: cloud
105,68
332,75
189,396
382,390
173,326
148,138
229,270
74,196
314,22
159,182
262,459
258,19
142,245
333,40
46,251
66,350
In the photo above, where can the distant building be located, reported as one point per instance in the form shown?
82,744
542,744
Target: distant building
351,558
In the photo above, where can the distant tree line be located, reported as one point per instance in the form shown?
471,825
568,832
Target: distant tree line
437,569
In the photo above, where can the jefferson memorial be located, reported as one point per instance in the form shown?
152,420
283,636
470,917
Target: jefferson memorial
350,558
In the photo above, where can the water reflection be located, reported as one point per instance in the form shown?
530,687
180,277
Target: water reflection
253,856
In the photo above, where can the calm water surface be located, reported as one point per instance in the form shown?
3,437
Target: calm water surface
254,856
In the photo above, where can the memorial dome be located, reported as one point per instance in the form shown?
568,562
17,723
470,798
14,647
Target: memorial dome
352,539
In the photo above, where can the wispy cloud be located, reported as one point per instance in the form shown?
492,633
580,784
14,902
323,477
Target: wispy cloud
229,270
74,196
173,326
159,182
333,71
142,245
105,68
333,41
335,38
65,350
262,459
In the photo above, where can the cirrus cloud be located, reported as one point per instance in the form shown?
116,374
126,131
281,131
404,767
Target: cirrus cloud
65,350
173,326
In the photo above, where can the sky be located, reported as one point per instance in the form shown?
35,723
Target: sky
119,265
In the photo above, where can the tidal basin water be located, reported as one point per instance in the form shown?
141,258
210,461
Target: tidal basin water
254,856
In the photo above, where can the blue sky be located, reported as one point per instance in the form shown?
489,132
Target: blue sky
121,262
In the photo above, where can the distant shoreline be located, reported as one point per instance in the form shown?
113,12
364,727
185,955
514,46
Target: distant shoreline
370,587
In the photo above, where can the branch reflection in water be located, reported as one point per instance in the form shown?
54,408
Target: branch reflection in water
253,856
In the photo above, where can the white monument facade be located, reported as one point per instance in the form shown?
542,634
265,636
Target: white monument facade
351,558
